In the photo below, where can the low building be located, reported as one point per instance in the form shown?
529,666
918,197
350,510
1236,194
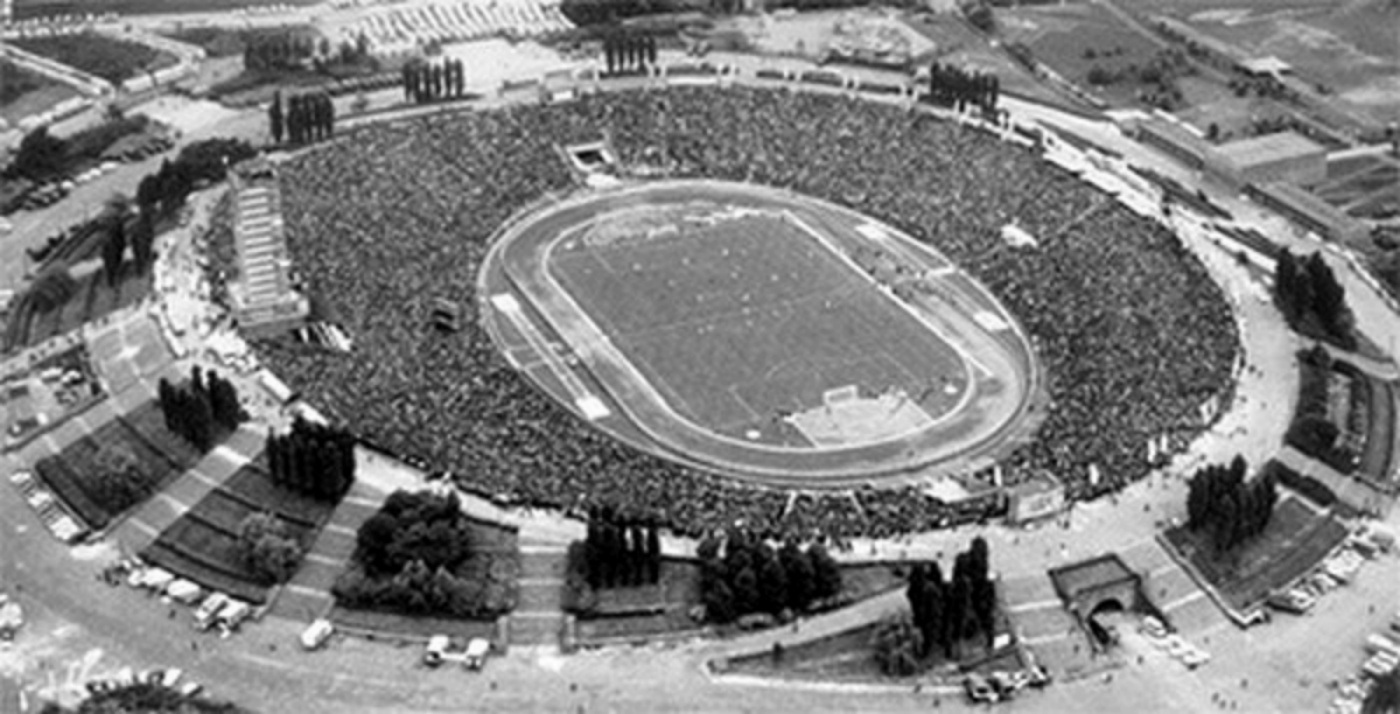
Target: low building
1312,213
1042,496
1178,140
1282,156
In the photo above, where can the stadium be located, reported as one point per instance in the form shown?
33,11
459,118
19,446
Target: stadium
798,310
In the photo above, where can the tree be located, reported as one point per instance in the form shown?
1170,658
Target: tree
143,238
274,117
772,581
935,608
54,287
797,570
40,155
654,554
268,549
897,644
826,578
113,249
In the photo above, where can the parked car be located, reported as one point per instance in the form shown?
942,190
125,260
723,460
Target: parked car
184,592
436,650
979,690
316,634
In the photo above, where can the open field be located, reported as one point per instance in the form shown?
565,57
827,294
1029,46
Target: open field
1346,45
99,55
1295,540
743,321
82,475
44,8
1077,38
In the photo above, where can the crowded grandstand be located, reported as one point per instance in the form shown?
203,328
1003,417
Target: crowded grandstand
1133,335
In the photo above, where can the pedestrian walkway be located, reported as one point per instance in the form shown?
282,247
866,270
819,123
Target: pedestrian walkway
143,526
307,595
538,618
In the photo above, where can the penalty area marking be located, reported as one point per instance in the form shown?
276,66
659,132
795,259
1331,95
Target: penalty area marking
589,404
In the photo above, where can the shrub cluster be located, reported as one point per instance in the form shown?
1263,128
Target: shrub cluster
946,613
313,460
410,558
202,411
1312,300
1228,510
268,549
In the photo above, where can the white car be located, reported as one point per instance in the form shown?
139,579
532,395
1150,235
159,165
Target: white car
40,500
1195,658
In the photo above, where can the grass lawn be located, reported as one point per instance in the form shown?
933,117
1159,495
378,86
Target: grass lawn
201,540
203,543
148,421
1296,539
23,92
850,656
252,486
162,553
405,626
677,592
94,298
1074,39
668,610
76,474
99,55
1377,457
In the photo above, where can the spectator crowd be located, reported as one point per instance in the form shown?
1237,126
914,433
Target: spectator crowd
1132,333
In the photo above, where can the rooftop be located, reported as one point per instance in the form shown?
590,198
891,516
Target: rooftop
1269,147
1266,65
1072,579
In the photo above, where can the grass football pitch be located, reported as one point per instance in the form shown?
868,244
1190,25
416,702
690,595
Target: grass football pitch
738,322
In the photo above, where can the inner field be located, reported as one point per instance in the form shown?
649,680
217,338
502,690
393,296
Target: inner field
741,322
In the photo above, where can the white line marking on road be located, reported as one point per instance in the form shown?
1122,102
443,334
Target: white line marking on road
1186,599
1036,605
309,592
1045,639
538,582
